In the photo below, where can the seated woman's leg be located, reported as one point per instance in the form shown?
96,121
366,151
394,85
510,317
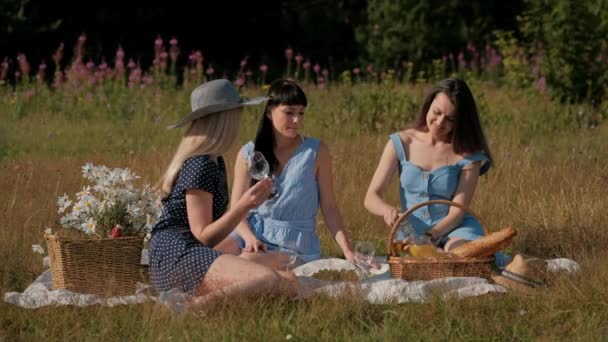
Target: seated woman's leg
452,243
231,276
233,245
469,230
229,246
273,259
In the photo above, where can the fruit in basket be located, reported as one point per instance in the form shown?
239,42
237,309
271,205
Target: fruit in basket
423,251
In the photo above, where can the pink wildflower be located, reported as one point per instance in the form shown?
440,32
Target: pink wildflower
24,65
289,54
299,58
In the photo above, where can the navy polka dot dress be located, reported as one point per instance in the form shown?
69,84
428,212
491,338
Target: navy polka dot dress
177,258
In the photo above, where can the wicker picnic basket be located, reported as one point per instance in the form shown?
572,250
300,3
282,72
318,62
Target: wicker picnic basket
410,268
108,267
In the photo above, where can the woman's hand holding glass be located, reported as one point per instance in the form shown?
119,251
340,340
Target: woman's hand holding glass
364,255
349,255
259,169
257,194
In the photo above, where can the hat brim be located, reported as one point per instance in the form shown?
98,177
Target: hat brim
515,285
204,111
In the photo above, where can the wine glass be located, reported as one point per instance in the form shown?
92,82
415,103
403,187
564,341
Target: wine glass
289,249
364,255
259,169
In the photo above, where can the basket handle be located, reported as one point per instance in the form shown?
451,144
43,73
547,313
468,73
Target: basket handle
402,216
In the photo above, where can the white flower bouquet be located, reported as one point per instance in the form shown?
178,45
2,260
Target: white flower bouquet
112,206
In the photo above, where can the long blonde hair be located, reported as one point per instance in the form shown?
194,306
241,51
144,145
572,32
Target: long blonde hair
212,134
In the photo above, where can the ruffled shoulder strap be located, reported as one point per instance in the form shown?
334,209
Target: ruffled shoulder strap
313,143
398,146
247,150
476,157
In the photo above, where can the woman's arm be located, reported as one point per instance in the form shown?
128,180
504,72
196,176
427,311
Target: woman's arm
330,210
241,183
199,206
469,176
385,171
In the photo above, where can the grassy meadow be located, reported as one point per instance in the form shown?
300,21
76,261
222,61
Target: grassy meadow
549,182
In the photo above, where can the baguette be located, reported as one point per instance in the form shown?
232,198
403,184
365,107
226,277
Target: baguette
487,245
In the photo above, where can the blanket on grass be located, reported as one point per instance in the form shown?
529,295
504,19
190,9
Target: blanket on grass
380,287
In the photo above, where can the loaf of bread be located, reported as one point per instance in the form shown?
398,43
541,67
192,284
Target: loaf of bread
487,245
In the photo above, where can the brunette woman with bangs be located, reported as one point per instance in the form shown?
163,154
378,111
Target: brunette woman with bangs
301,169
440,157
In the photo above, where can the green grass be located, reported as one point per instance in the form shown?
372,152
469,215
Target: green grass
549,182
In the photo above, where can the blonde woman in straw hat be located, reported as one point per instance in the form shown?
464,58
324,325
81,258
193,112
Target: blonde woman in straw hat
195,213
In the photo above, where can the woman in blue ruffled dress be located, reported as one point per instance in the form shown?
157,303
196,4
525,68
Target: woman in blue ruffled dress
441,157
301,169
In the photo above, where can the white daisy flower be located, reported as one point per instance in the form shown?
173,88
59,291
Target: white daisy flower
37,249
63,203
87,170
89,226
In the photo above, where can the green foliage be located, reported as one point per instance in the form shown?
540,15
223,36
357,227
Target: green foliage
570,36
124,120
422,30
373,108
516,66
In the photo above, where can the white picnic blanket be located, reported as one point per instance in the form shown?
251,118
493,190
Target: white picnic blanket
382,288
379,288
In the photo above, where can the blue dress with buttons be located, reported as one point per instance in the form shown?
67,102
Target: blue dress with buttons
417,186
177,258
289,219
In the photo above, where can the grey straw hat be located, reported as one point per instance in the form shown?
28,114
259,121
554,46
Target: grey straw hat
215,96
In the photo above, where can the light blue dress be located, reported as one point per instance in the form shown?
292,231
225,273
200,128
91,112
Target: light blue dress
417,186
289,218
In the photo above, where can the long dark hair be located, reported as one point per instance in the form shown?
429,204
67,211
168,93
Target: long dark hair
467,135
281,92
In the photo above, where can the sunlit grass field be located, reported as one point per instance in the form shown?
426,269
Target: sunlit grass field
549,182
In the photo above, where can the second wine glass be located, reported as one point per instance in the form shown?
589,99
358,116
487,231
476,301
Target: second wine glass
364,255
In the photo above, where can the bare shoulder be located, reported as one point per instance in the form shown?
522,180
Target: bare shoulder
323,153
408,135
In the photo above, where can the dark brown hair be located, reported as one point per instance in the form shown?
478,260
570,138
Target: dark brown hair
467,134
281,92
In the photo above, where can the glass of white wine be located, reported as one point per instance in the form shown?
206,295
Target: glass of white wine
290,249
259,168
364,255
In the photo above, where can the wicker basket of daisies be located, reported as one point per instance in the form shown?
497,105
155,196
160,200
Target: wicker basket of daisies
98,250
